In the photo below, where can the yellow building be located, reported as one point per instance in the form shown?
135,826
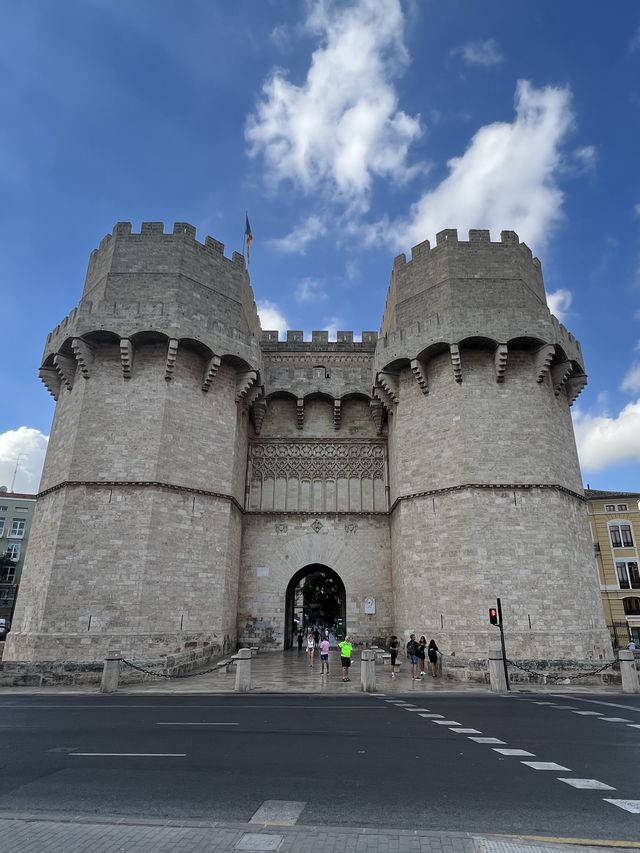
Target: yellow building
615,528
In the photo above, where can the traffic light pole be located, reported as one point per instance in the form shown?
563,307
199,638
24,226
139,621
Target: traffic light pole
504,650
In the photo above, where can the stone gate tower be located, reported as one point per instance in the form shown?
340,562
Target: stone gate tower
199,467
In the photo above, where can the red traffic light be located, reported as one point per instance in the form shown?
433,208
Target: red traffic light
493,615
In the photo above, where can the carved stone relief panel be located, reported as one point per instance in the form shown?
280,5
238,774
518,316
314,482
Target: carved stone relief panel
317,476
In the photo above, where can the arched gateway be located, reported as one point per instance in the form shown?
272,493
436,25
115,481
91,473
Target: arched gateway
315,596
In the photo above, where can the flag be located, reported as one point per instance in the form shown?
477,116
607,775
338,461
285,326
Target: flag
248,237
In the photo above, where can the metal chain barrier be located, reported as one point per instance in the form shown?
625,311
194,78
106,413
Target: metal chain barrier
556,678
164,675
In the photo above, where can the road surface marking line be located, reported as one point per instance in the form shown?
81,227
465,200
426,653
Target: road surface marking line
446,723
587,784
566,707
545,765
278,812
487,740
632,806
431,716
416,709
589,713
405,704
197,724
615,720
459,731
134,754
634,725
508,751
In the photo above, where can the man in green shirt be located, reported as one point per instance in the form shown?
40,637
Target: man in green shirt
345,657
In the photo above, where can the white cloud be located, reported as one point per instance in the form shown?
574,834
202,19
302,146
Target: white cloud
309,290
635,42
636,209
341,127
559,303
271,317
604,440
505,179
483,53
297,240
631,381
27,447
333,325
584,158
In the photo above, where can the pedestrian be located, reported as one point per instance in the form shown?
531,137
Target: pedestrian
422,647
412,654
345,657
432,654
311,647
394,648
324,656
316,637
300,640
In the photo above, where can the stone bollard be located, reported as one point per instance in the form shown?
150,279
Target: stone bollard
110,675
628,671
368,671
243,670
496,672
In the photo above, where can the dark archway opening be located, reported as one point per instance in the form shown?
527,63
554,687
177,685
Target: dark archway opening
315,597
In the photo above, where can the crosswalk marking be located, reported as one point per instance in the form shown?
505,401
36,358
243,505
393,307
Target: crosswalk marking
587,784
512,751
446,723
632,806
431,716
545,765
459,731
278,812
588,713
487,740
615,720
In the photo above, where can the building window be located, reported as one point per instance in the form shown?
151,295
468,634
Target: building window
320,372
3,508
7,575
1,526
631,606
610,507
628,574
621,535
17,528
13,551
622,507
7,596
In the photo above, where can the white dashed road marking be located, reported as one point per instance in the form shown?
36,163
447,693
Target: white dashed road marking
591,784
589,713
432,716
545,765
416,709
513,751
466,731
634,725
487,740
446,723
632,806
615,720
278,812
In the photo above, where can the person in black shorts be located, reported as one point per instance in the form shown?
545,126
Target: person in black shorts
394,648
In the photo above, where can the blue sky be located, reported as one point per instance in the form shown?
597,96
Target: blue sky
349,131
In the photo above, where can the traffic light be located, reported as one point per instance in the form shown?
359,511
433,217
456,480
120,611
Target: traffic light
493,615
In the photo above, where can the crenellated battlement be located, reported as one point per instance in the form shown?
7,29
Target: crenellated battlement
319,339
479,238
182,231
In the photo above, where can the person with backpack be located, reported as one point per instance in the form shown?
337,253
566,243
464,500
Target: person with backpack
412,654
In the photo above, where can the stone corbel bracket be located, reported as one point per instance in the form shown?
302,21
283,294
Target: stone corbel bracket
559,375
377,413
254,393
379,394
210,372
126,357
500,361
543,358
300,413
245,380
84,356
66,368
420,372
456,362
172,352
337,414
51,381
389,381
574,387
259,409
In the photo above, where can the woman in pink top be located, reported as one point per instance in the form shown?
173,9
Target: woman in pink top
324,656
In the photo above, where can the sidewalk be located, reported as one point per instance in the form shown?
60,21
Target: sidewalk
289,672
54,834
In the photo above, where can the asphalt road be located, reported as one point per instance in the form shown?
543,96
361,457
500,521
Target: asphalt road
348,761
